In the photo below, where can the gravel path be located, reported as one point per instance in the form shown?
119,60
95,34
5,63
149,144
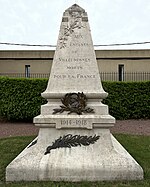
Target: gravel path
137,127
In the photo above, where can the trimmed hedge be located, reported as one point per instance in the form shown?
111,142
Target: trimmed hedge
128,100
20,99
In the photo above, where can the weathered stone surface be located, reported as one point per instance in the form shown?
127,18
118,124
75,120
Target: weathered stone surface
74,69
75,121
106,159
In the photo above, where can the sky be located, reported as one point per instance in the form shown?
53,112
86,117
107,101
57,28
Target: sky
38,22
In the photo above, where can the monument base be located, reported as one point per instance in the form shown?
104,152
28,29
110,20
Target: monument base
105,160
71,146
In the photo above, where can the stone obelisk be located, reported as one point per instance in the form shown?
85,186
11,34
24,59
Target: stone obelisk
74,141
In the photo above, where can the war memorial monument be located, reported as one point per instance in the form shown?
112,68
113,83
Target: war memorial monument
74,141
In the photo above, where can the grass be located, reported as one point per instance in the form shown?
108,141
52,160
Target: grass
137,146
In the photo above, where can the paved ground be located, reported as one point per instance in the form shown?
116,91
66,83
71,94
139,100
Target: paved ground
138,127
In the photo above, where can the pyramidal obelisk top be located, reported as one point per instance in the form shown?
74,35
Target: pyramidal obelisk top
74,67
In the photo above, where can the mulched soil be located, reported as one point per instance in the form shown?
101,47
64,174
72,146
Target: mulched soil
136,127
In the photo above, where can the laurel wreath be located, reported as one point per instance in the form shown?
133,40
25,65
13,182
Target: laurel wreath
74,103
69,141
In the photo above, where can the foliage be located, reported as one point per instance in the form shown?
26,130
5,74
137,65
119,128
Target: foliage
138,147
128,100
20,99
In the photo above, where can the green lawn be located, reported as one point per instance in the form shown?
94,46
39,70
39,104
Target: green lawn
137,146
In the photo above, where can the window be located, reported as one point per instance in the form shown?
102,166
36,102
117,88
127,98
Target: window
27,71
121,72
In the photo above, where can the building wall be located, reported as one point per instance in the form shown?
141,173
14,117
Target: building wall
133,60
15,61
18,66
40,61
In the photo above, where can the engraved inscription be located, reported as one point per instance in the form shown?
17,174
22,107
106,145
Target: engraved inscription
74,59
75,67
77,76
77,122
80,76
78,36
79,44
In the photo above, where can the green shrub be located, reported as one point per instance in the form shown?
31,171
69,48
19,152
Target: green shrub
20,99
128,100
